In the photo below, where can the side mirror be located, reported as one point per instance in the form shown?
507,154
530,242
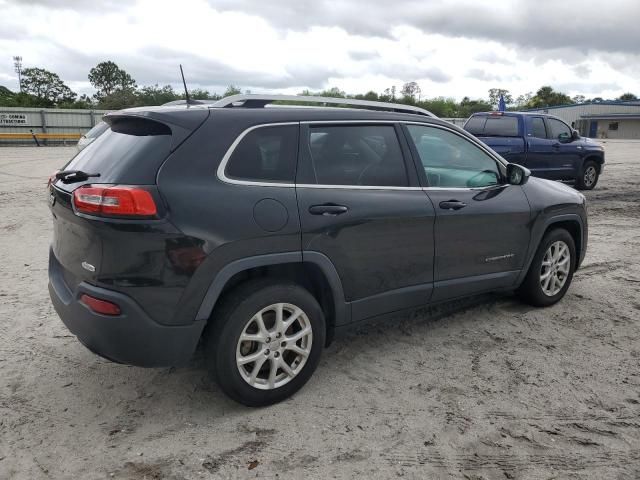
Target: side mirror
517,174
575,135
565,137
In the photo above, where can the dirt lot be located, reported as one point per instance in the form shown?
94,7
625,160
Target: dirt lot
491,389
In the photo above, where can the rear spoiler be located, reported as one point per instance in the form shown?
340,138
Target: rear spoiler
180,123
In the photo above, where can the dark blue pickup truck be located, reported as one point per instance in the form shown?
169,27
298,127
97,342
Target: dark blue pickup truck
543,143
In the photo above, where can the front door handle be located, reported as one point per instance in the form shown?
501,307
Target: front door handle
452,205
556,146
327,209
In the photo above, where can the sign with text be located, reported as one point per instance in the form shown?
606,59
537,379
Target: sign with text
13,119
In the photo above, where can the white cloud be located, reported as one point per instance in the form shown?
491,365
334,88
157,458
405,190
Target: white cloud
357,46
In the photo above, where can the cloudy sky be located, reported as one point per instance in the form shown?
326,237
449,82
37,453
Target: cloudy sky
451,48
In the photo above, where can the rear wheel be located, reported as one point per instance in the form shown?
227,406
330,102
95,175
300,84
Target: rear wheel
589,176
265,342
551,270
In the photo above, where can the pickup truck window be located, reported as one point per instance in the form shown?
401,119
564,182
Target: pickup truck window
558,129
493,126
537,127
450,160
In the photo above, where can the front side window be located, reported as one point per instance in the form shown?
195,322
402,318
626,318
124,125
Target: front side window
266,154
559,130
365,155
451,161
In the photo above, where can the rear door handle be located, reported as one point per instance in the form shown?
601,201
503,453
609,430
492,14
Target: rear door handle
556,145
327,209
452,205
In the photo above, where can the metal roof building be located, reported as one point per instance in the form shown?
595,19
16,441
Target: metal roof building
601,119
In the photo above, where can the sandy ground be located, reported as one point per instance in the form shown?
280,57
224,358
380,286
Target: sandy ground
490,389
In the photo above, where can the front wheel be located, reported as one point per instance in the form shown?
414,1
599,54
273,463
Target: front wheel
551,270
589,176
265,342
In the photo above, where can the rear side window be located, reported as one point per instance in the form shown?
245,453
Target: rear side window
364,155
266,154
537,128
493,126
129,151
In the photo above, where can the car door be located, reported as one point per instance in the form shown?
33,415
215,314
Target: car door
566,152
362,208
482,224
539,147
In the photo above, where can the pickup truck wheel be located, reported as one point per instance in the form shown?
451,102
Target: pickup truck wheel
551,270
265,342
589,176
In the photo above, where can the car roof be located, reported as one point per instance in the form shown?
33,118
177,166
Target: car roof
276,113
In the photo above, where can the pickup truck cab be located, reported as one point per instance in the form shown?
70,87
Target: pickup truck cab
543,143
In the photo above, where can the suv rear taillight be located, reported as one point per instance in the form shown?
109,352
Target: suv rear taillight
114,201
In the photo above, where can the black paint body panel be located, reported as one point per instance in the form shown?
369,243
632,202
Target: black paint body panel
393,248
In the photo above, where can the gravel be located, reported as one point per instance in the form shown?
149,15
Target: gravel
482,389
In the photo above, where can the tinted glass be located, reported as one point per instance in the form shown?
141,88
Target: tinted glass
537,128
357,155
558,128
493,126
266,154
449,160
475,125
98,130
130,151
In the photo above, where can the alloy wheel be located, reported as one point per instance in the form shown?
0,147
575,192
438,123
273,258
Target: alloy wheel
590,175
274,346
555,268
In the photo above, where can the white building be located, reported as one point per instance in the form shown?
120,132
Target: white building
600,120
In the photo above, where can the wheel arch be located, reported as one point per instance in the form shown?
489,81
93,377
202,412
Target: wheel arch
571,222
313,270
598,159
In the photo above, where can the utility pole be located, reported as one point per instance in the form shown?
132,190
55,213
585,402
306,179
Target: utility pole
17,64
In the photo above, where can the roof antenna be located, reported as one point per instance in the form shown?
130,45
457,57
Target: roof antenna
186,92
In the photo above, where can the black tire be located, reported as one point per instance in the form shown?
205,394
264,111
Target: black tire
589,175
229,321
531,290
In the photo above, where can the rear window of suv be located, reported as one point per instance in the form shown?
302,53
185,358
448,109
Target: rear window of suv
129,151
493,126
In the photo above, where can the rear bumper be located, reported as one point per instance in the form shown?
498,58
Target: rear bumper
131,337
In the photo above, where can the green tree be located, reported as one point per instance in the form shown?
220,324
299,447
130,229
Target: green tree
46,86
547,97
468,107
231,90
119,99
522,101
156,95
201,94
84,102
579,99
627,97
411,91
494,96
370,95
107,78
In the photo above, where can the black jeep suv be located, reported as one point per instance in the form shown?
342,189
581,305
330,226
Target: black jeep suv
265,229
